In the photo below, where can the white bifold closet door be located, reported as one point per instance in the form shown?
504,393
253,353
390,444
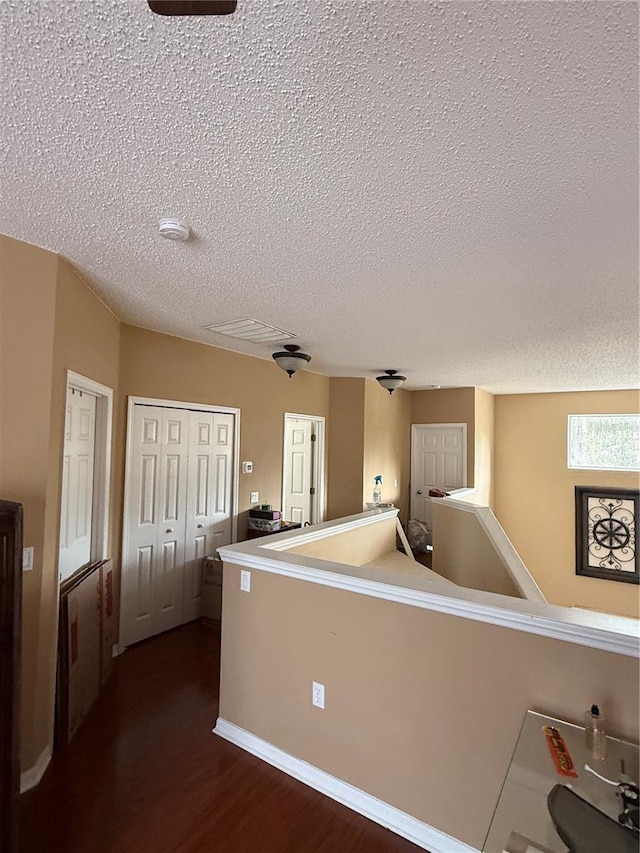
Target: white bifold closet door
178,512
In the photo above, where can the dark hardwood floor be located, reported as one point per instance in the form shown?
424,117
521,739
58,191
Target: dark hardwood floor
144,774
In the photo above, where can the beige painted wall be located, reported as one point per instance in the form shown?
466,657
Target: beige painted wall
387,444
353,547
170,368
50,321
534,492
414,698
27,313
369,434
483,440
448,406
345,447
463,553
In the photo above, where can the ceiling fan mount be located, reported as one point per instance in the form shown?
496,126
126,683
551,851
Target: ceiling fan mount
192,7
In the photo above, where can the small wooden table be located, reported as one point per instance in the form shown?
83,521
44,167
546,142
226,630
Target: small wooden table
284,525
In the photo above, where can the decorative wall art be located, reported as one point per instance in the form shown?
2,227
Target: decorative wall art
606,521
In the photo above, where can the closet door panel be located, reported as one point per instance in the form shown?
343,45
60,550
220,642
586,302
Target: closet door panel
141,520
199,509
170,555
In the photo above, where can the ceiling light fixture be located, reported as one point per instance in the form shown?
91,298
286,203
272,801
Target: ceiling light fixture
173,229
391,380
292,359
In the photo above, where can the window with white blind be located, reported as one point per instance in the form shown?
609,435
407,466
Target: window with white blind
604,442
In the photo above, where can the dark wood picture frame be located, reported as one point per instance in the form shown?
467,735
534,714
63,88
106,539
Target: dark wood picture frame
606,533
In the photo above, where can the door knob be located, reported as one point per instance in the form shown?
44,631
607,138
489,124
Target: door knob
419,492
169,529
200,526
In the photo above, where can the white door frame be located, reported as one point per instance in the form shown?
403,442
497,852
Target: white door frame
102,460
414,432
319,510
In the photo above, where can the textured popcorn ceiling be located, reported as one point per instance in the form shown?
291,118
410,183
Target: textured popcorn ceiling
450,189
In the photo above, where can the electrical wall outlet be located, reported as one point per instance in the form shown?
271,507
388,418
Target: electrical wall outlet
27,559
317,694
245,580
255,497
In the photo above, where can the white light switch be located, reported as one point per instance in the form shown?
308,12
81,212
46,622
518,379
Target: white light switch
27,559
255,497
245,581
247,467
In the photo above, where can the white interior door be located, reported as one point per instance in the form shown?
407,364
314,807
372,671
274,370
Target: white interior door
208,499
438,460
77,482
298,470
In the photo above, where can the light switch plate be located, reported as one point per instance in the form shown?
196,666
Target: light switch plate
245,581
27,559
247,467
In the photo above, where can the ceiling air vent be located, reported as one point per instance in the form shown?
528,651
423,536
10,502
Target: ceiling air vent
250,330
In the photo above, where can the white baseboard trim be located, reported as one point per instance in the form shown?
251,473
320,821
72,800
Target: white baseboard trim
31,777
397,821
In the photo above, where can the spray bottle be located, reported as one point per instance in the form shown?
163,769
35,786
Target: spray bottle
594,730
377,489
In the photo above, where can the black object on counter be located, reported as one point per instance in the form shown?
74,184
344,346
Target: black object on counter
584,828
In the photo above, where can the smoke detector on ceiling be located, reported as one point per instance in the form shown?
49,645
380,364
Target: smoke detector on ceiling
174,229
